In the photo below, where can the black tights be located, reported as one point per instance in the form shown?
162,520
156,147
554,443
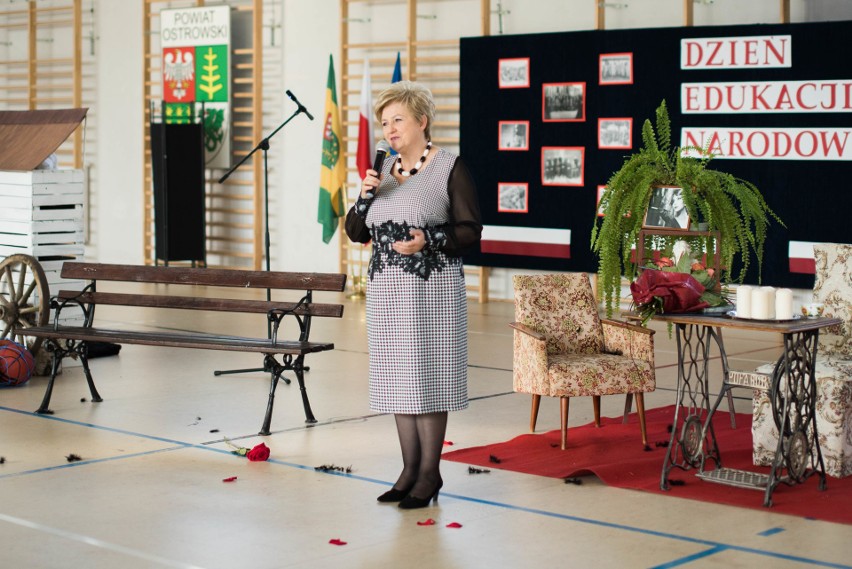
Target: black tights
421,438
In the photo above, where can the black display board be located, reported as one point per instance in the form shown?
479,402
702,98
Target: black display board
177,162
810,193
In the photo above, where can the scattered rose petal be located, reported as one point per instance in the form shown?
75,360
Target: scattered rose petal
229,479
259,453
454,525
336,541
448,443
429,522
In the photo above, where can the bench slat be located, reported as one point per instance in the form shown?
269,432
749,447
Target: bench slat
178,340
201,303
330,282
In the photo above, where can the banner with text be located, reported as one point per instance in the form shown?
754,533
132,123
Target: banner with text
547,118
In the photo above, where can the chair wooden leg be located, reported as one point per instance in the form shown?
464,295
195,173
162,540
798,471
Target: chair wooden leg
536,401
640,409
628,407
596,404
563,417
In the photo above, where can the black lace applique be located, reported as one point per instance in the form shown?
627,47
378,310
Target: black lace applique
421,263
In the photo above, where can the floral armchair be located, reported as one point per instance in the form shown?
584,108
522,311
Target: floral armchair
833,287
562,348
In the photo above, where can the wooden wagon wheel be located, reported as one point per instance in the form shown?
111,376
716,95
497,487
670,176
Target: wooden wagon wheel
24,299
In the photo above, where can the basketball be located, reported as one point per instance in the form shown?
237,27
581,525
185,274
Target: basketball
16,364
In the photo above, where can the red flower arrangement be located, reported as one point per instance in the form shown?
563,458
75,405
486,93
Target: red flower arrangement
675,286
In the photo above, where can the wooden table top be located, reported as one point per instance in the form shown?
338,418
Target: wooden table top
801,324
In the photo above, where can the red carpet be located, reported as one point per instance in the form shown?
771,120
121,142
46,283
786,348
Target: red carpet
614,454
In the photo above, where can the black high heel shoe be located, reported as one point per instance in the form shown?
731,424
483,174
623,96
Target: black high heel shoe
412,502
393,495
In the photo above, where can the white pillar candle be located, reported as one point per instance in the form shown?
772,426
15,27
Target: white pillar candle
763,303
784,304
744,301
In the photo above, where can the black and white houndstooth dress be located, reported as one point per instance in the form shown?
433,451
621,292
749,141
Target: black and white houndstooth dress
416,304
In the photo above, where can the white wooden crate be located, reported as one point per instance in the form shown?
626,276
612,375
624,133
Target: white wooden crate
41,215
74,212
34,227
62,176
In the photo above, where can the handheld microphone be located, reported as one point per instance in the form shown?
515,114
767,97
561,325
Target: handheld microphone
382,150
301,106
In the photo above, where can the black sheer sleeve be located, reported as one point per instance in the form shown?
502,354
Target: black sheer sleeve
464,230
356,226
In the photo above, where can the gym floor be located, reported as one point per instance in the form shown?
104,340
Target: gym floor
149,490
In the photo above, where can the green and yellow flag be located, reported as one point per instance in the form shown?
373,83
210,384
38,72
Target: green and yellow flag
333,172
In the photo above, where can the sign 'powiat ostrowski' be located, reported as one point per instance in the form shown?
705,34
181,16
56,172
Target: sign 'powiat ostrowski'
196,44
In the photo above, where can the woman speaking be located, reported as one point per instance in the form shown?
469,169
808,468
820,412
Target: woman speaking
421,212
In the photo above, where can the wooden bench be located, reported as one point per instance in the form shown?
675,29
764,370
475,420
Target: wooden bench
65,340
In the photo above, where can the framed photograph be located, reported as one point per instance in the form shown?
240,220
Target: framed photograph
562,165
601,190
615,133
563,102
513,135
667,209
514,73
513,197
615,69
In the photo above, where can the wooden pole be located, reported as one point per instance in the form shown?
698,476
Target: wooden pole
412,40
78,79
688,13
785,11
257,132
485,8
601,15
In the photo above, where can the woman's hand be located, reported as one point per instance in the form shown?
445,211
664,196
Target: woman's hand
369,184
413,245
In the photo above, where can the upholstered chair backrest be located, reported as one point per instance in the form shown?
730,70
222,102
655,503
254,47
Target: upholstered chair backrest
563,308
833,287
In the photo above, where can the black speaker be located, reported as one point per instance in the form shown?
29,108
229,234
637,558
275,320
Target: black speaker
177,162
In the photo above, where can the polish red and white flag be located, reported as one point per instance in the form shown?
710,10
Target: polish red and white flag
526,241
366,140
801,254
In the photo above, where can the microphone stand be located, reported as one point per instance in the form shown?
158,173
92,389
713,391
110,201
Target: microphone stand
264,146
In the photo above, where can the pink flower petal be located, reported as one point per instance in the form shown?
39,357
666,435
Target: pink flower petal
230,479
429,522
454,525
336,541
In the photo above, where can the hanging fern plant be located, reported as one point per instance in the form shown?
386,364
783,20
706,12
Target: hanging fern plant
731,205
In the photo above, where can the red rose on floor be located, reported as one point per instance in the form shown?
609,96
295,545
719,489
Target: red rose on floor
259,453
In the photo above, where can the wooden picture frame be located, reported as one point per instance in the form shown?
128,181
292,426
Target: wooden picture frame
667,209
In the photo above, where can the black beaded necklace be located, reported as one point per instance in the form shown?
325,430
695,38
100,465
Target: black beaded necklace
416,166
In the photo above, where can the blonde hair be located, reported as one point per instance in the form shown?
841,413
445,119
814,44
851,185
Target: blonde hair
414,97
